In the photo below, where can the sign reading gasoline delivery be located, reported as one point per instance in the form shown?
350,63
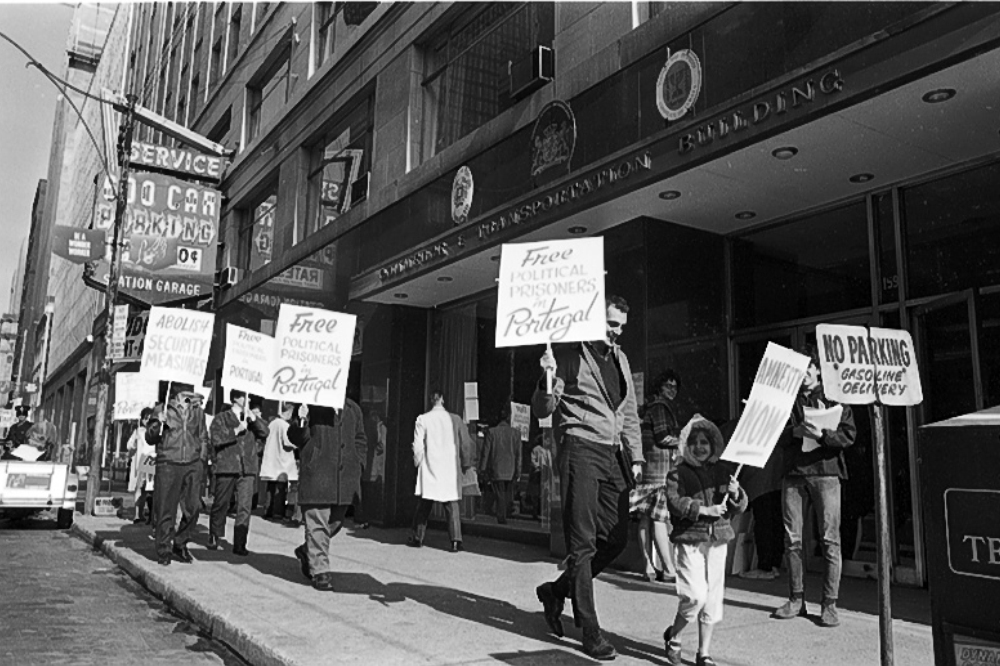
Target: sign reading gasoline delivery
312,356
171,228
551,291
859,364
177,345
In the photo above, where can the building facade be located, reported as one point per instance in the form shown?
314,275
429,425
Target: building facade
753,168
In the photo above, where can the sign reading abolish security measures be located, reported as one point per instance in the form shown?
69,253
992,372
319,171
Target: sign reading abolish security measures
248,361
859,364
312,356
133,391
177,345
551,291
778,379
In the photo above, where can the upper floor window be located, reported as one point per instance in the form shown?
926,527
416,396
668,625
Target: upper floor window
235,22
466,67
335,22
268,91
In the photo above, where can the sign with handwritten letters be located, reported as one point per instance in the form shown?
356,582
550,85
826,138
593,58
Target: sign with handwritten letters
551,291
312,356
177,345
133,392
520,419
775,386
249,360
859,364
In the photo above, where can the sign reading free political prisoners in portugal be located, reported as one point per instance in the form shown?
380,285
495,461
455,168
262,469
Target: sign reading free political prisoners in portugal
859,364
775,386
248,362
177,345
551,291
312,356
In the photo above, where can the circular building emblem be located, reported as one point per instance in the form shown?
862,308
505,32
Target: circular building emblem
678,86
553,138
461,195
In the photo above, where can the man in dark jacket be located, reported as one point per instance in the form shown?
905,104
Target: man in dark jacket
181,440
815,467
237,435
333,447
501,461
593,405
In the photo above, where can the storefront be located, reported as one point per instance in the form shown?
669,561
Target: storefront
845,175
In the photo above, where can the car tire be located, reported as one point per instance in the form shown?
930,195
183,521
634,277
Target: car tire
64,519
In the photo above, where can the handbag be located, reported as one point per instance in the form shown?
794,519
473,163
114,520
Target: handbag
470,483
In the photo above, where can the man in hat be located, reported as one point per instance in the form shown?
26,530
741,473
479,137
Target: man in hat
17,434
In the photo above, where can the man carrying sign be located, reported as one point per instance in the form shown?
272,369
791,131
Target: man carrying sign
815,467
600,455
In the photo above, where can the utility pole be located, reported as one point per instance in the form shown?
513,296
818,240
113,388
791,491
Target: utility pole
105,406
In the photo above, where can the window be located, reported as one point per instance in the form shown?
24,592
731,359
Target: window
216,70
466,80
267,95
340,159
335,22
234,36
325,20
257,234
221,129
195,97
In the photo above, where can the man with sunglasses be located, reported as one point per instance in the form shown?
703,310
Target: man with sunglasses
593,405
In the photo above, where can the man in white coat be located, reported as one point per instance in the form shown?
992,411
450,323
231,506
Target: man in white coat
442,450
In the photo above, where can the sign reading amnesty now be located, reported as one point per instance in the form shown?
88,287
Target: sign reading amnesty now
177,345
859,364
551,291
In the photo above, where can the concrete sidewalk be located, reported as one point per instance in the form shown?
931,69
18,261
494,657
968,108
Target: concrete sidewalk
398,605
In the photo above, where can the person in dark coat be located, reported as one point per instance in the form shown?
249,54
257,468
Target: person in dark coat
17,434
237,434
333,447
501,461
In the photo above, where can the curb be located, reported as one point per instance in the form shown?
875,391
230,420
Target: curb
248,647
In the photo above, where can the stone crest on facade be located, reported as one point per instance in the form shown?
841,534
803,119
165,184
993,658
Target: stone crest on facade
461,195
553,137
678,85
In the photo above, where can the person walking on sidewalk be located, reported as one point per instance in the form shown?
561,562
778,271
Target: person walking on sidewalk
235,436
278,466
599,457
181,441
333,447
501,461
701,493
442,451
815,467
139,482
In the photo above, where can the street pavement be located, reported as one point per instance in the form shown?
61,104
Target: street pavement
399,605
62,603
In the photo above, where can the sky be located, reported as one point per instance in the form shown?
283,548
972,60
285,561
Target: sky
27,110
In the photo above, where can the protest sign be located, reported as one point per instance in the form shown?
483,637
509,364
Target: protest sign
775,386
177,345
551,291
116,345
859,364
312,356
133,391
520,419
249,360
7,418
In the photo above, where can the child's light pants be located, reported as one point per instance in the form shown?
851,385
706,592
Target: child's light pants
701,581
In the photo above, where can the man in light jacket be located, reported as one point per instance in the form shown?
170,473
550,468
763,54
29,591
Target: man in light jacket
442,451
501,461
593,405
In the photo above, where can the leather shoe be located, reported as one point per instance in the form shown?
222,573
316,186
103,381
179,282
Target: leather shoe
456,546
552,607
672,647
241,551
414,542
303,557
794,607
183,554
323,582
163,560
213,542
828,615
596,646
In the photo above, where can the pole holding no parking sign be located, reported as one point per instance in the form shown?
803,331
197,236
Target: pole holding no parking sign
872,366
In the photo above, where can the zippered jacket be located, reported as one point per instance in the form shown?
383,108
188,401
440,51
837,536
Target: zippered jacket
179,438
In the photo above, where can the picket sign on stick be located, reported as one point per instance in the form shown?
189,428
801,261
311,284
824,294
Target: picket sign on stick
248,361
313,350
133,391
548,371
551,291
177,345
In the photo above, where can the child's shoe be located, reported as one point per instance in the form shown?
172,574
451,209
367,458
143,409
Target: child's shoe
673,647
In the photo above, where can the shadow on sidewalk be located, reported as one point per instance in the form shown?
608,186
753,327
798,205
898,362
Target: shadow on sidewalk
438,540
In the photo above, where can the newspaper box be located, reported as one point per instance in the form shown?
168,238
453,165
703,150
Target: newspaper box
959,463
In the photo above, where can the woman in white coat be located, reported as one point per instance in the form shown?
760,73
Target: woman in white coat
139,481
442,450
278,466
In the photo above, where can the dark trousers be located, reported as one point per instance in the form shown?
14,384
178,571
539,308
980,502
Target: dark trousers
363,501
423,513
768,530
595,520
277,494
176,485
243,486
502,491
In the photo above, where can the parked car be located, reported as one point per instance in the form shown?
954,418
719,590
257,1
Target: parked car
29,487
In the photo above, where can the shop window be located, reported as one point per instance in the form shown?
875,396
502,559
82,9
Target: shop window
268,92
803,268
257,232
466,81
946,224
339,166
